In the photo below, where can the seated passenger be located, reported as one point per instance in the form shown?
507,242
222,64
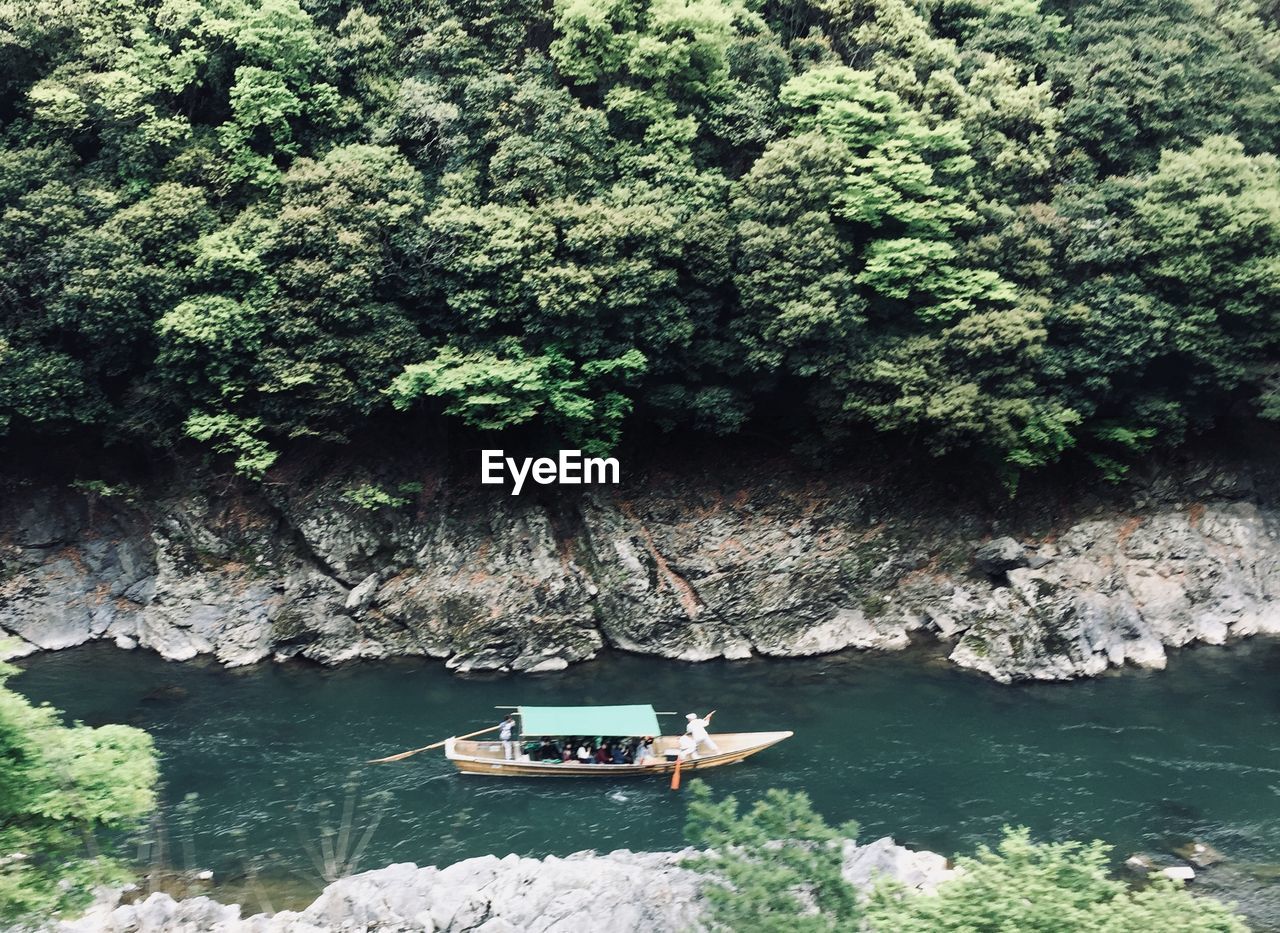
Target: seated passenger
644,750
620,756
604,755
585,755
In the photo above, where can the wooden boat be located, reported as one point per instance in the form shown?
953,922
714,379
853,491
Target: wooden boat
487,756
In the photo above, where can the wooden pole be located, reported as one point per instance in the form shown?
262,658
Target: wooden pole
427,748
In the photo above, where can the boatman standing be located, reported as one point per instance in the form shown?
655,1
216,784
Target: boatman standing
698,729
688,748
507,734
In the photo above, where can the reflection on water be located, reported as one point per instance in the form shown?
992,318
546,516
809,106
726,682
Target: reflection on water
931,755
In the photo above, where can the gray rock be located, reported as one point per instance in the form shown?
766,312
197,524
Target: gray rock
158,913
623,892
1140,864
361,595
47,519
999,556
684,566
883,859
1124,589
1199,854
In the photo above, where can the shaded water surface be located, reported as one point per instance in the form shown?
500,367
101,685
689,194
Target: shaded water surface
902,744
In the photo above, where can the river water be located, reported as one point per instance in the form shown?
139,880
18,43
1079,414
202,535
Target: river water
904,744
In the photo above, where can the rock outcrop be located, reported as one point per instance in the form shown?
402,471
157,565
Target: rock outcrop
622,892
691,565
1122,591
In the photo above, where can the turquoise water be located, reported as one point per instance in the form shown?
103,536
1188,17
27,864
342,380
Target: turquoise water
905,745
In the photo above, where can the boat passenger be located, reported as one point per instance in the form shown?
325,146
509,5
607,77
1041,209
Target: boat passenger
585,755
620,756
698,729
507,735
644,751
546,751
604,754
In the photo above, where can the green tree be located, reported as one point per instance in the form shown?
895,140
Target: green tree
300,332
1172,319
974,380
774,867
980,64
65,794
852,273
800,308
661,67
995,226
1142,77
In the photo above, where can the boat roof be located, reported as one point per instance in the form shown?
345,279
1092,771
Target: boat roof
589,720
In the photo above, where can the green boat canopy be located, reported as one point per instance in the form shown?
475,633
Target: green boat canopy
589,720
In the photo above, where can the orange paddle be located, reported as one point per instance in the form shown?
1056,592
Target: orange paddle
675,776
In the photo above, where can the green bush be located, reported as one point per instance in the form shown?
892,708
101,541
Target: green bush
66,795
778,867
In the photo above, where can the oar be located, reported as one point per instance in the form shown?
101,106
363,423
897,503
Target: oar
675,776
427,748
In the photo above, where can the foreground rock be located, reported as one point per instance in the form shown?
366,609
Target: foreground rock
691,565
623,892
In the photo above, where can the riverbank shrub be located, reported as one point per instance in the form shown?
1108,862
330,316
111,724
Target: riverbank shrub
66,793
1011,228
777,867
1046,887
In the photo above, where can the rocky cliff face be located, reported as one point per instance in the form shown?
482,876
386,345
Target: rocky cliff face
692,564
623,892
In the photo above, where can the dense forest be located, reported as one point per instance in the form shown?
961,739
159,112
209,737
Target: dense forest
999,226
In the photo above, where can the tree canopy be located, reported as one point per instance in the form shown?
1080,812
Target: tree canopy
997,226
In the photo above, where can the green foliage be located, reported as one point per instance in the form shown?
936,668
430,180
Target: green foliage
993,226
236,436
1171,322
800,307
654,64
65,793
100,489
493,391
372,498
1050,887
769,864
972,379
777,866
1142,77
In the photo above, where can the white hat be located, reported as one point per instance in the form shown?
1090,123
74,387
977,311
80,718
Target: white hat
692,716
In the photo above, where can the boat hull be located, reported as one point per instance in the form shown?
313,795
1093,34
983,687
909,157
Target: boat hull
486,758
